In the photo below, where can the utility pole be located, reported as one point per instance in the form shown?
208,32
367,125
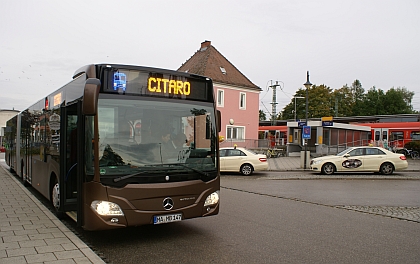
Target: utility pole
274,102
307,85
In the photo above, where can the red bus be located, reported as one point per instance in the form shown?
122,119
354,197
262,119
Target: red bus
121,146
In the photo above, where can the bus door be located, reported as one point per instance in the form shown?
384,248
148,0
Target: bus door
381,136
71,157
27,150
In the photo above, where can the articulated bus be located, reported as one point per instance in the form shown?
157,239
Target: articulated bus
121,146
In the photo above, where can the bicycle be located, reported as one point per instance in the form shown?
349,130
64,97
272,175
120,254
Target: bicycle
272,153
413,154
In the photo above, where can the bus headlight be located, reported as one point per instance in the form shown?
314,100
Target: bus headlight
212,199
106,208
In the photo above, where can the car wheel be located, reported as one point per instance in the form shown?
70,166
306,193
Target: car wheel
328,169
246,169
386,169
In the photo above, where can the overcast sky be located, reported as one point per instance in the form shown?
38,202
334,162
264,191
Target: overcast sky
43,42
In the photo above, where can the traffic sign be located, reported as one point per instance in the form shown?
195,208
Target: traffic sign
301,123
327,121
306,132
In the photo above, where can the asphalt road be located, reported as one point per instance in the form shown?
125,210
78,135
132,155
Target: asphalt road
266,220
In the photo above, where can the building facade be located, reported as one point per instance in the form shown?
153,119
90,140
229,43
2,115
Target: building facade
237,98
4,116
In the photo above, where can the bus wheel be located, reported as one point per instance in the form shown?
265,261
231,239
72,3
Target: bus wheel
55,198
386,169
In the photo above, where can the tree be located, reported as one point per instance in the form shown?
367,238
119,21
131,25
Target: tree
319,103
262,116
348,101
397,101
343,101
358,98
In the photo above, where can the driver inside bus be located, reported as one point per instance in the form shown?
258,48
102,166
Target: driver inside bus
166,149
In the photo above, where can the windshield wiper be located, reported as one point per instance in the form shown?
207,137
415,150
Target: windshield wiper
170,166
129,176
193,169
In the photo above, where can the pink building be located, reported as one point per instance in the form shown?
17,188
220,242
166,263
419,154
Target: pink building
237,97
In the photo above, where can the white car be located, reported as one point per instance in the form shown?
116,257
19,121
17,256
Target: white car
245,161
361,159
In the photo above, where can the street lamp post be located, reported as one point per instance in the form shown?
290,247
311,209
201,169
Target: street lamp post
297,97
307,85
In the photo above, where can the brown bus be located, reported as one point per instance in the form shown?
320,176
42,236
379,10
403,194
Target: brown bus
122,146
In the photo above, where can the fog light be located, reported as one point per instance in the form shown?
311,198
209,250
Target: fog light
114,220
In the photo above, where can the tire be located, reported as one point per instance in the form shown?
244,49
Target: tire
402,151
386,169
55,198
246,169
414,154
328,168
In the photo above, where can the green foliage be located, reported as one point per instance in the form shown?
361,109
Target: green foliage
262,115
413,145
348,101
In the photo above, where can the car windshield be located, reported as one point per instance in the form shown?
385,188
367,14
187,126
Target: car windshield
145,135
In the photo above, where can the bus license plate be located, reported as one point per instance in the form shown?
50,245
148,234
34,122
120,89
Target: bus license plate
161,219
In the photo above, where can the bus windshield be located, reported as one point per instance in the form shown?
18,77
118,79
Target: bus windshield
142,138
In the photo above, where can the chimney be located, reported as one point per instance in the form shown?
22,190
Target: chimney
205,45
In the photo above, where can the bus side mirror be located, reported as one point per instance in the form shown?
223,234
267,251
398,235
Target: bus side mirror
90,97
219,121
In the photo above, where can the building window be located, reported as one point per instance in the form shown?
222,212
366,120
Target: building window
220,98
242,101
235,133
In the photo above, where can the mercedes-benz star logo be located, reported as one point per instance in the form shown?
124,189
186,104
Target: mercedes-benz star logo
168,203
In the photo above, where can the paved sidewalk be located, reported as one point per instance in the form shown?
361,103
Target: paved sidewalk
30,233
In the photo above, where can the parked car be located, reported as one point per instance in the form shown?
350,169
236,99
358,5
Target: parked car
361,159
245,161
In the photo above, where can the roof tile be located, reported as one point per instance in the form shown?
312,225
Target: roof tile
208,61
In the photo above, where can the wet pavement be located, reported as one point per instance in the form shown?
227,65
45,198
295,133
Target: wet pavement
30,233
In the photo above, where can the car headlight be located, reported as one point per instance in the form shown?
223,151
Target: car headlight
315,162
212,199
106,208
